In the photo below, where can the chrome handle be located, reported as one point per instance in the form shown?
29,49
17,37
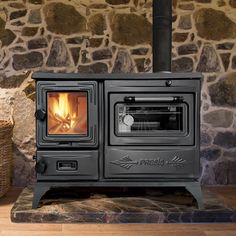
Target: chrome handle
132,99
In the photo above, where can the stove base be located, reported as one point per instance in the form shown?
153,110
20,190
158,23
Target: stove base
42,187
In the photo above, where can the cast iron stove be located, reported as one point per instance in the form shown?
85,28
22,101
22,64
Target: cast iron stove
119,130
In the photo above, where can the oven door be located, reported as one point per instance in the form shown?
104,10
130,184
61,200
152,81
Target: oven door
151,118
66,114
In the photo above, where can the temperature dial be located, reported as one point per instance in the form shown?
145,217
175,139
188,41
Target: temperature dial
128,120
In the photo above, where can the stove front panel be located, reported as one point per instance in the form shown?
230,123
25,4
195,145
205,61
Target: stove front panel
67,114
152,129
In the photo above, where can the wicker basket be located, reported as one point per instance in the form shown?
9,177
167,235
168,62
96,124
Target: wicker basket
6,128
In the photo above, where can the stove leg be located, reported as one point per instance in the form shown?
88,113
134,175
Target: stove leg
39,191
196,191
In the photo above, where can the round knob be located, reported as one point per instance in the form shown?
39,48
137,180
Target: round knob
128,120
40,114
168,83
40,167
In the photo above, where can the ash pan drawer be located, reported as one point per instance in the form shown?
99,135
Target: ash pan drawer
67,165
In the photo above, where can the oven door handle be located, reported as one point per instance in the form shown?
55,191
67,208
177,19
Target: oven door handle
132,99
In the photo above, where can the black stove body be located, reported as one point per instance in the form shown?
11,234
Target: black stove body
117,130
120,130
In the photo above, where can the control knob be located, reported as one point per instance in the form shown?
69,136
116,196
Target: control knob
40,167
128,120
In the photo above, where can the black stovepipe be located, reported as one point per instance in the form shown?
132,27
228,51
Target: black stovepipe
162,35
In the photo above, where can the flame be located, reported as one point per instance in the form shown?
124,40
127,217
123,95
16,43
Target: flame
67,113
61,108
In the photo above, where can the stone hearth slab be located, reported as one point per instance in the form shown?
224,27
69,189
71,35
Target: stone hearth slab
143,205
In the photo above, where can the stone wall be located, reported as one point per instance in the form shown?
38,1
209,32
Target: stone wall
108,36
204,40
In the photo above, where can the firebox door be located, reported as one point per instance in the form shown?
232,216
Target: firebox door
67,114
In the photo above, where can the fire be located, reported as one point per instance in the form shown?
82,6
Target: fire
67,113
62,111
62,107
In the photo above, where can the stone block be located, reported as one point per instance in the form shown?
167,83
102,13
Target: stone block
98,67
37,43
185,22
212,24
186,49
35,16
58,56
69,20
183,64
210,154
225,139
6,35
219,118
27,60
17,14
102,54
124,32
223,93
209,60
123,62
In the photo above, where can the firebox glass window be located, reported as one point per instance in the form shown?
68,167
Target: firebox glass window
137,119
67,113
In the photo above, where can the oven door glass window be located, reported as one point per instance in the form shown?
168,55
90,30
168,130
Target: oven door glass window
67,113
150,119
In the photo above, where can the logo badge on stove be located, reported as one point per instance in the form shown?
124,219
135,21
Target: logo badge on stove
126,162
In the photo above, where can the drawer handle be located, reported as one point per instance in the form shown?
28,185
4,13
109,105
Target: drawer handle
67,165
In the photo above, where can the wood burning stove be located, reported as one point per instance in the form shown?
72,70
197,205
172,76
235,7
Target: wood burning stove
117,130
120,130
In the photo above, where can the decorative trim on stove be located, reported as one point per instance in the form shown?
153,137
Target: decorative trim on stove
125,162
177,162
